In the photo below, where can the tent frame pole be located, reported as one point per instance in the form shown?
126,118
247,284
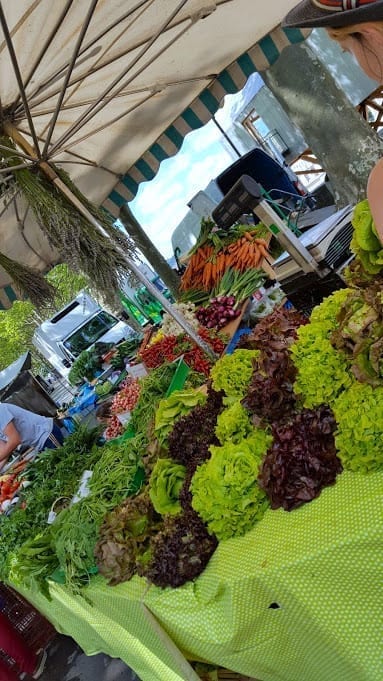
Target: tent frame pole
61,186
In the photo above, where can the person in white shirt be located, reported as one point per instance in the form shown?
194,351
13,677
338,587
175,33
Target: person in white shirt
22,427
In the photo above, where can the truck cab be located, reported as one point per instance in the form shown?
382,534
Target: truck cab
77,327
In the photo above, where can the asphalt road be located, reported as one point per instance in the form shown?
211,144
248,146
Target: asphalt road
67,662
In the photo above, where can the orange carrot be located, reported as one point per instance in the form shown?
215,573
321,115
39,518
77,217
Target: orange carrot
263,251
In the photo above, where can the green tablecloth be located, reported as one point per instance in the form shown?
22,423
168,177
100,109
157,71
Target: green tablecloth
319,567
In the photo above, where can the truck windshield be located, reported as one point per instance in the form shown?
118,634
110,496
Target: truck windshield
89,333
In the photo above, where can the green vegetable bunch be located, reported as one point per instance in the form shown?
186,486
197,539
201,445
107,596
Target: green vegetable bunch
360,333
165,485
115,473
359,436
54,473
74,537
225,490
85,366
103,388
34,562
232,373
323,372
365,243
153,388
170,409
233,424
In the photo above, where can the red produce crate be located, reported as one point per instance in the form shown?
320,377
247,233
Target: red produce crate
33,628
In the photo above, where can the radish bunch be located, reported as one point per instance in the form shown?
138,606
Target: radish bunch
114,428
126,399
218,313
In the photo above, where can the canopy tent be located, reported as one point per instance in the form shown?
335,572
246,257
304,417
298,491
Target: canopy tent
99,88
19,386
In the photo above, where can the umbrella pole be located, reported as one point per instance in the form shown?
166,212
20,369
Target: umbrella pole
61,186
177,316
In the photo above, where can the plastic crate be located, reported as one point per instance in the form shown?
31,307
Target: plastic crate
33,628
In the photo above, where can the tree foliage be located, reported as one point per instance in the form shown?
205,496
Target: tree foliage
18,324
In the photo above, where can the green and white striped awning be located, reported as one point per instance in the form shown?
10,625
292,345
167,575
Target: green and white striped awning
232,79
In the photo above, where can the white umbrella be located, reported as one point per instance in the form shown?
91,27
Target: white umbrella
92,85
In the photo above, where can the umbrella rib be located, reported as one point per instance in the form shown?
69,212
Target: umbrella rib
87,161
104,64
19,167
96,107
84,28
105,125
46,45
122,32
91,165
95,69
134,91
12,54
129,80
17,153
86,47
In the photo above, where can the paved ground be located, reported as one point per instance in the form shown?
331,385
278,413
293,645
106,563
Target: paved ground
67,662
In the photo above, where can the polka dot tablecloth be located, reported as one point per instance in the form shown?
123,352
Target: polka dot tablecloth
300,598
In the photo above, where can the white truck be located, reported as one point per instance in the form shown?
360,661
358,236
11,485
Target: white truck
75,328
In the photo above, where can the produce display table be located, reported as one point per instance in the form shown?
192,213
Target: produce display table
299,598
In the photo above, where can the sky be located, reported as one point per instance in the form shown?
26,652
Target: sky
161,204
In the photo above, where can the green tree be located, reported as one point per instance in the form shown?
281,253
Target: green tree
18,324
16,330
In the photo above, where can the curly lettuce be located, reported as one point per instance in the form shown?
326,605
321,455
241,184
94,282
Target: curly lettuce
226,494
233,424
165,485
323,372
365,243
232,373
326,313
172,408
364,228
359,436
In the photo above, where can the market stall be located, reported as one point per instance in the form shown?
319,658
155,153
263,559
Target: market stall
236,519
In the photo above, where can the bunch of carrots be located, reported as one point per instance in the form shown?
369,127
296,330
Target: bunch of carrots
206,266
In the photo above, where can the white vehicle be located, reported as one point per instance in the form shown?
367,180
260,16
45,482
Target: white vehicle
75,328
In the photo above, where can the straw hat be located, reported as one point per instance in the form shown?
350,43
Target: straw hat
334,13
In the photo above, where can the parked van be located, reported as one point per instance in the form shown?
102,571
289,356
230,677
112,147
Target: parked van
75,328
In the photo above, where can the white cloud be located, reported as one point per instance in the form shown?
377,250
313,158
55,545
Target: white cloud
161,204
